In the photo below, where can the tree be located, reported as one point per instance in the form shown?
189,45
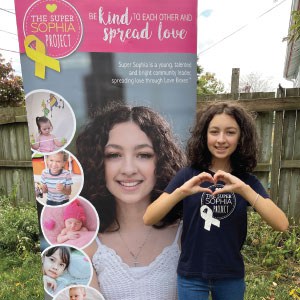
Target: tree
255,82
207,84
11,86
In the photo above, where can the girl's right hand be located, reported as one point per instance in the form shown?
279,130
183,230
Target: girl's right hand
49,283
192,186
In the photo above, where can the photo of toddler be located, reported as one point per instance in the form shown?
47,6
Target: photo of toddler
58,177
45,141
55,180
51,121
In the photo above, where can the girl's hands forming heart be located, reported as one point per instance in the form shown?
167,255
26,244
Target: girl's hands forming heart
232,183
192,186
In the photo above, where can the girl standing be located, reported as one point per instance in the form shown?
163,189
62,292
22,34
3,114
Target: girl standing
129,155
216,190
55,180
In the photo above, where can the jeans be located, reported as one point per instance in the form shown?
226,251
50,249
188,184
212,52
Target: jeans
194,288
55,203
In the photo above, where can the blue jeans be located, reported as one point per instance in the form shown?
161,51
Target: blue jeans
55,203
194,288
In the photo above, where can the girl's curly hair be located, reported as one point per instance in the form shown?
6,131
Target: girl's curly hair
90,152
244,158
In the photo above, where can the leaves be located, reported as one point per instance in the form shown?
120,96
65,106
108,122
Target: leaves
11,86
294,30
207,84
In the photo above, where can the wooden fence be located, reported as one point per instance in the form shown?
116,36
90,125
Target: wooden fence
15,155
278,125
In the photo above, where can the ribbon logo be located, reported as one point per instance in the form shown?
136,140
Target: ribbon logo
207,215
39,56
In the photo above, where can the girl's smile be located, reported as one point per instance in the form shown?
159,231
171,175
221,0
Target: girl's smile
130,163
222,136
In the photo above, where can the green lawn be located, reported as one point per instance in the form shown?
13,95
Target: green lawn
20,278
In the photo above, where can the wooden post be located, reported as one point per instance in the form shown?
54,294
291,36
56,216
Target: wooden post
235,78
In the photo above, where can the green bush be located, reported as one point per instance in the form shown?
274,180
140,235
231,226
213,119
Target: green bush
20,263
19,230
272,261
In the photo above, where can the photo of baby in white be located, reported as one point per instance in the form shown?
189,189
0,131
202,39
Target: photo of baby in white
79,292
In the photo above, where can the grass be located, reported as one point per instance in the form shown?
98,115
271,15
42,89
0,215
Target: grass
20,277
272,261
271,258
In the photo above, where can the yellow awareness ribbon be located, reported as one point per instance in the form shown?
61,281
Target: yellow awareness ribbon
39,56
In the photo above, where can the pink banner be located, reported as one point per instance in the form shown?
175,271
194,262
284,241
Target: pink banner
109,26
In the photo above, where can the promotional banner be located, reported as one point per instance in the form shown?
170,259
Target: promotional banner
110,96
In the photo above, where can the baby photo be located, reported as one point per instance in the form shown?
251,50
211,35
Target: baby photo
51,121
79,292
64,266
75,224
58,177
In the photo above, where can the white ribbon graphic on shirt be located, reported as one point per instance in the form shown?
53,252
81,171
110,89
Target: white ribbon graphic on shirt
207,215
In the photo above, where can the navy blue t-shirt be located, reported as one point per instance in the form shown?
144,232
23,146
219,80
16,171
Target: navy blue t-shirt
214,229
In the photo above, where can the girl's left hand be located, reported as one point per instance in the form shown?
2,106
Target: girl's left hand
232,183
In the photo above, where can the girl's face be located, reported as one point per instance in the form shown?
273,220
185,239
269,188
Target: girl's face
130,163
45,128
55,163
223,135
72,224
53,265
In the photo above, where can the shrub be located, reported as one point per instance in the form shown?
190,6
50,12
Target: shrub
19,230
272,261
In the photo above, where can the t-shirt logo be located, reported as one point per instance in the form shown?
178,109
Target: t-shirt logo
215,208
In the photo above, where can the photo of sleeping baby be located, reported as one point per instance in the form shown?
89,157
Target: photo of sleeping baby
58,177
64,266
51,121
79,292
75,224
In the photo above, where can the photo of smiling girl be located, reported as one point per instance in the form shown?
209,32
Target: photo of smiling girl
64,266
128,155
55,262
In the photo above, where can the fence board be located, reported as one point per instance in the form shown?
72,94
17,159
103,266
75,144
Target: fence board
276,158
264,125
294,204
297,138
15,155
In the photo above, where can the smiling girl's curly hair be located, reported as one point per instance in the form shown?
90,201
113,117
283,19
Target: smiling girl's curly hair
90,152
